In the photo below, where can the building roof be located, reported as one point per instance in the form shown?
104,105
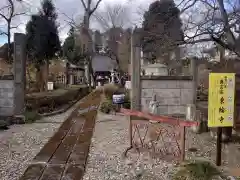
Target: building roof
103,63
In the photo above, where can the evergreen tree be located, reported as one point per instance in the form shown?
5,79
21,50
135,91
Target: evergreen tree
43,41
71,50
42,34
161,28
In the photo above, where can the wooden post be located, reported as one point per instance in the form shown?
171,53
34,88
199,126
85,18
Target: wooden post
219,146
182,143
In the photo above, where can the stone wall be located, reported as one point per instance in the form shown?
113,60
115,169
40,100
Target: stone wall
173,93
6,95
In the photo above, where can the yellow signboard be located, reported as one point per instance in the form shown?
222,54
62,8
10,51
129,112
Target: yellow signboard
221,95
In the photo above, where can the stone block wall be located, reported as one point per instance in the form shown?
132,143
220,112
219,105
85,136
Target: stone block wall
173,93
6,96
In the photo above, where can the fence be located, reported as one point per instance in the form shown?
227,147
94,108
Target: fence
61,79
165,140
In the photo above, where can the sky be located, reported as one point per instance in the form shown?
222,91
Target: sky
66,9
73,9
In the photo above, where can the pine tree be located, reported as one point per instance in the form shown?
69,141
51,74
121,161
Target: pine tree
71,50
161,28
43,42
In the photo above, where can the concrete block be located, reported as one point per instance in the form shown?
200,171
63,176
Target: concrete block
6,102
6,84
162,110
168,101
147,93
160,84
145,103
6,111
186,96
167,93
176,110
173,84
185,84
153,84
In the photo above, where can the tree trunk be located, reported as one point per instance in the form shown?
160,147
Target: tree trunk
67,73
89,75
9,58
38,78
45,72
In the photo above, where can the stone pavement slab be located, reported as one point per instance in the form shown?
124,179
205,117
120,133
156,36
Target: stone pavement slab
65,154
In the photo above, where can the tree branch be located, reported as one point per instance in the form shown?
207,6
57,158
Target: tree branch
18,14
226,46
3,33
189,6
84,5
94,9
231,37
4,17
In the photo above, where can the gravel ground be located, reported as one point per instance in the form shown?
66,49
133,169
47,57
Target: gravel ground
20,144
105,161
110,139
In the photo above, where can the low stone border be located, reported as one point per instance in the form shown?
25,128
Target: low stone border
61,110
65,155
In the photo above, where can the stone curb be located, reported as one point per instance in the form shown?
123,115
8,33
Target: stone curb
61,110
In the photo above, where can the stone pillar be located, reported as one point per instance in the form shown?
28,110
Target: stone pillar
194,71
19,73
135,74
71,79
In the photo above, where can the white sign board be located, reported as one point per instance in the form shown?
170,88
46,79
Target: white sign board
128,85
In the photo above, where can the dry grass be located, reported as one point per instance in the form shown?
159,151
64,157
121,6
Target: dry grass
109,90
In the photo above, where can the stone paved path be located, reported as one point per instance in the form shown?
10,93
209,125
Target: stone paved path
20,143
65,154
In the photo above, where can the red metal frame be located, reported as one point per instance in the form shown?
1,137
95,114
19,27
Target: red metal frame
163,119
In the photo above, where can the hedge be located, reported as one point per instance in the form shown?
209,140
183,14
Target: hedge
55,98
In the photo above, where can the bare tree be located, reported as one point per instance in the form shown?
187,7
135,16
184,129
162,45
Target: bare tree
113,16
7,13
89,8
219,23
212,22
113,19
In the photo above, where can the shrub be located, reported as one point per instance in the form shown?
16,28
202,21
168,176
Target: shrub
58,86
31,116
127,105
106,106
54,98
3,124
197,170
109,90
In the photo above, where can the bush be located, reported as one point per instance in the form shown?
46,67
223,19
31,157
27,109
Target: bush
58,86
55,98
31,116
197,170
127,105
109,90
3,124
106,106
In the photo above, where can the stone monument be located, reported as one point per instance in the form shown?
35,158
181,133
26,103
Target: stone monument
19,73
12,87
